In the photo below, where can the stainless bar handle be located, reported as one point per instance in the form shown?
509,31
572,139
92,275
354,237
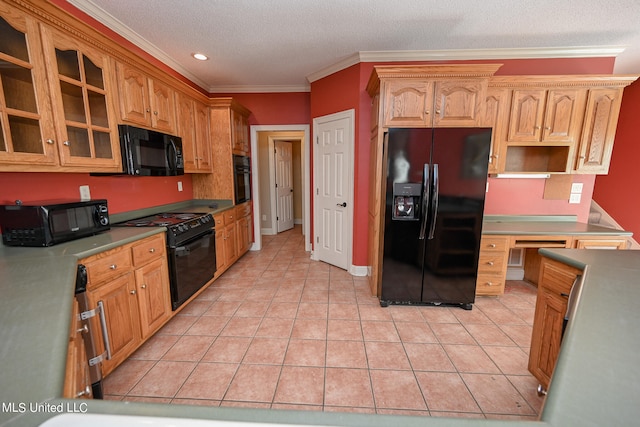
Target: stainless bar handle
105,333
435,196
426,187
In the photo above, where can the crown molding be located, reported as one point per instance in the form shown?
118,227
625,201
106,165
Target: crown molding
99,14
91,9
259,89
467,54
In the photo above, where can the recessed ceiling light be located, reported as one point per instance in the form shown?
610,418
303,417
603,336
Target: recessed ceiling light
200,56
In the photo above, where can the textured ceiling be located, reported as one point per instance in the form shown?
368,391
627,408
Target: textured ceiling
281,45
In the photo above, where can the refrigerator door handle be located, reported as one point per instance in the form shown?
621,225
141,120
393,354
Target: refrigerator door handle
426,192
435,196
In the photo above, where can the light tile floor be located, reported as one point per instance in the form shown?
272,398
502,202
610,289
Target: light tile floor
278,330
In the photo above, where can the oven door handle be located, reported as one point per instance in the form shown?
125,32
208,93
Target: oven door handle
185,249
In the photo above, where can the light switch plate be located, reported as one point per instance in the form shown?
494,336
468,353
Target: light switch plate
576,187
179,185
575,198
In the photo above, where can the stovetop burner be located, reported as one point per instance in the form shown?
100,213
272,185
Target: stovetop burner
161,220
180,226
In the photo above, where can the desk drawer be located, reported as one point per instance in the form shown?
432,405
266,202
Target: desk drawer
494,243
229,216
492,263
490,284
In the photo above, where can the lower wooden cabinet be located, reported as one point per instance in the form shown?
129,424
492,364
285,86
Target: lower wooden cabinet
131,283
554,285
77,383
118,300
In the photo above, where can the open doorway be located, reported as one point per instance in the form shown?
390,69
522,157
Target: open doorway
264,140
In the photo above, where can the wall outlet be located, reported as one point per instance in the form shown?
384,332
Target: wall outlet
264,217
179,185
85,192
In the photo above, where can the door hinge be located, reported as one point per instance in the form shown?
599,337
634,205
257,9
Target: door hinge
317,191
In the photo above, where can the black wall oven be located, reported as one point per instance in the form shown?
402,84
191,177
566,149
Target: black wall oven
242,178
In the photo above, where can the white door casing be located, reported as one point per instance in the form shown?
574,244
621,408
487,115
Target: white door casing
333,188
284,185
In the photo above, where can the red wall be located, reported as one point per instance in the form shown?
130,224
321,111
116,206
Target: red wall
274,108
618,192
124,193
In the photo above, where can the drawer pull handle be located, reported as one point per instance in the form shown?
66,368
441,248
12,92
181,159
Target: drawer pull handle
152,250
489,262
564,295
492,245
113,266
489,283
85,392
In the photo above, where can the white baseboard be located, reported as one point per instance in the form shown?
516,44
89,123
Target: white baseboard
267,231
359,270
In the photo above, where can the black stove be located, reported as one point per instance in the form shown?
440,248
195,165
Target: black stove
180,226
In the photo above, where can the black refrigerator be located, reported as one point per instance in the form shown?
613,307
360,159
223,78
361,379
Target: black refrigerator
435,186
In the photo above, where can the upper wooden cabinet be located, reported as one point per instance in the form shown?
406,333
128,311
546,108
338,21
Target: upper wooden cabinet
557,124
146,101
598,131
81,95
193,128
55,100
431,95
546,116
496,103
27,134
226,131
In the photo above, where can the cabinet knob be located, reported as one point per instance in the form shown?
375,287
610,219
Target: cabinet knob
492,245
536,127
148,110
67,143
50,141
582,157
132,292
113,266
84,329
426,112
152,250
143,286
155,112
547,127
437,111
489,283
489,262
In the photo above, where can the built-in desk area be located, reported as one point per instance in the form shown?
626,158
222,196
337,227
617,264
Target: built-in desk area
500,234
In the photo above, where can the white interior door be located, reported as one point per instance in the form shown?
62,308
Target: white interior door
284,185
333,199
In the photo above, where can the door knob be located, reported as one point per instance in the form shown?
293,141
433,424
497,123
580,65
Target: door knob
343,204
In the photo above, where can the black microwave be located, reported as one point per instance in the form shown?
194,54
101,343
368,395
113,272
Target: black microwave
51,222
150,153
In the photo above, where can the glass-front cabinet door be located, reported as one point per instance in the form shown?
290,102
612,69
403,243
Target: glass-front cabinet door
80,86
27,134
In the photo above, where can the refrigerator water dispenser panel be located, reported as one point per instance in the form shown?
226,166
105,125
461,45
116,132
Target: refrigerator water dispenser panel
406,201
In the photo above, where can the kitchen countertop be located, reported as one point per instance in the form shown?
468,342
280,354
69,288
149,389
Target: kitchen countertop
544,225
596,379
